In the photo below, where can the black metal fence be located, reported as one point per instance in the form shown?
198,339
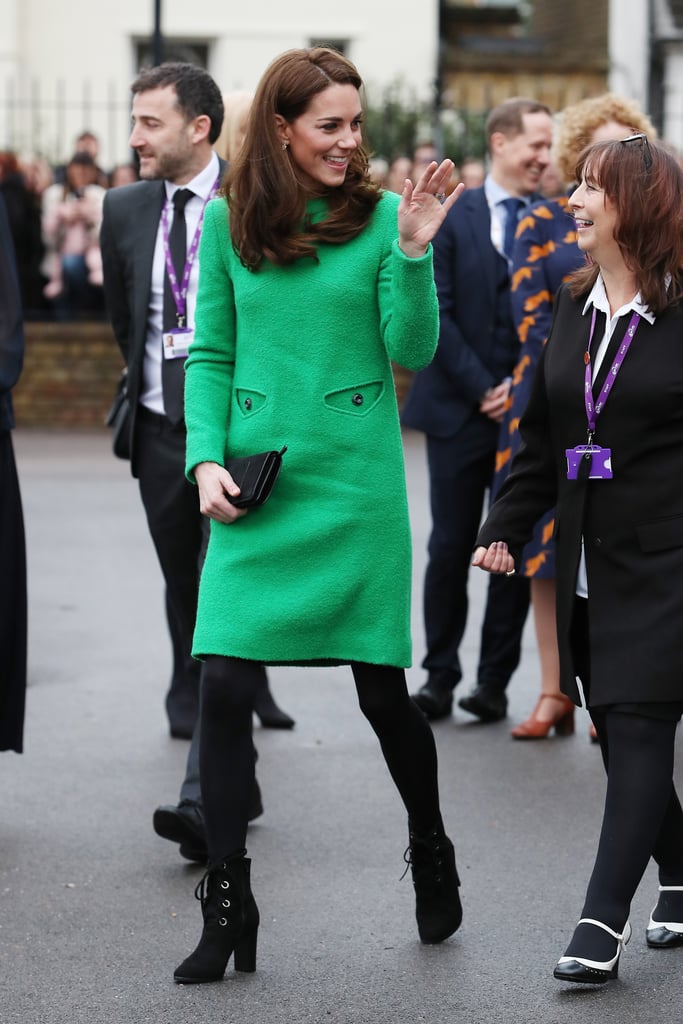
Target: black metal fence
35,119
46,121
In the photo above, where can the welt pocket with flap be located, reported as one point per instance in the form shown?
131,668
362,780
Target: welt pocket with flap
249,401
358,400
661,534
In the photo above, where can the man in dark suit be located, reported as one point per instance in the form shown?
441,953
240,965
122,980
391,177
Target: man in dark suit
149,239
459,400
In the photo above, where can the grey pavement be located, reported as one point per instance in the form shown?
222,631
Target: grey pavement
96,911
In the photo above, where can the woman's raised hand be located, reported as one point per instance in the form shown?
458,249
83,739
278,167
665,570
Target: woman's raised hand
424,206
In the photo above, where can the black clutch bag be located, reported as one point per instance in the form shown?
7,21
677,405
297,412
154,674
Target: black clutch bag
255,475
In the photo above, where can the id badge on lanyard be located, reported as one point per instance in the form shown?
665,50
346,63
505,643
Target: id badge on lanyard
589,461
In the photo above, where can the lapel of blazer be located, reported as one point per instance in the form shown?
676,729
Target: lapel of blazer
479,217
144,235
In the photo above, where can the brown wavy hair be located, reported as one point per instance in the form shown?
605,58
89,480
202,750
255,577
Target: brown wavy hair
264,189
645,183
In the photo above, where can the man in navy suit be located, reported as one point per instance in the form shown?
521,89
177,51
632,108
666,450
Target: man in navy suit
458,402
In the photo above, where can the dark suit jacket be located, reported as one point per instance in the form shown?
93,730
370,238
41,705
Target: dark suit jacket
128,236
11,322
466,269
632,525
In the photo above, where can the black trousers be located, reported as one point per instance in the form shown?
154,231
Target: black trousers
179,533
460,475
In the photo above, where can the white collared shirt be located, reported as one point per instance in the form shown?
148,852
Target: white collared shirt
151,394
495,195
598,299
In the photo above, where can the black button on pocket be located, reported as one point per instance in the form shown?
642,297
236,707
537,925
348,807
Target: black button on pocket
250,401
357,400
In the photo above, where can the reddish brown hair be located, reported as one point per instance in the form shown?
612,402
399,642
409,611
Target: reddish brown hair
645,183
265,194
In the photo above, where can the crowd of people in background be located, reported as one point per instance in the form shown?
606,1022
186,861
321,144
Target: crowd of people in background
55,215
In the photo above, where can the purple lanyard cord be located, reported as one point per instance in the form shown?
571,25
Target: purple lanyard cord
593,411
179,291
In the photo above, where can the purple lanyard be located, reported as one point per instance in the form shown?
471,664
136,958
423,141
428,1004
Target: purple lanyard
592,412
179,291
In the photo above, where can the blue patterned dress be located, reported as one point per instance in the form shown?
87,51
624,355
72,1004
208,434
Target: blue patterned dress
545,253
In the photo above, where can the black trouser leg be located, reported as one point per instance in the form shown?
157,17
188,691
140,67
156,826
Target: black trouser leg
457,488
226,751
176,526
507,605
406,740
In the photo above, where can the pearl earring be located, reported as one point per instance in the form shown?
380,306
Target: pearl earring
285,144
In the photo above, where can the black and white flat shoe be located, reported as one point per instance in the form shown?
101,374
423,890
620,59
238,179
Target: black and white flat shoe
593,972
664,934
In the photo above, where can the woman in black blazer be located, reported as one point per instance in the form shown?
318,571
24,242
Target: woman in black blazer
603,439
12,543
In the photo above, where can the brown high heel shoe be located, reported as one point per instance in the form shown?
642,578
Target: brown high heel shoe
537,729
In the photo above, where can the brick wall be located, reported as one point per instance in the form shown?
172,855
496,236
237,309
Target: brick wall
69,376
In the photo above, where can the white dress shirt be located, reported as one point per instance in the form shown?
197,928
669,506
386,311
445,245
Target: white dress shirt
151,394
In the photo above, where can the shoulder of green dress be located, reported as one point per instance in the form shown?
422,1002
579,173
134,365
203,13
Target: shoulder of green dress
213,207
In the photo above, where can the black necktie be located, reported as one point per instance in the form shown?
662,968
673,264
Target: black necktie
172,370
512,206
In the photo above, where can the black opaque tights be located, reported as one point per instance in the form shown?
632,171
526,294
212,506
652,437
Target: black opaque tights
226,753
642,819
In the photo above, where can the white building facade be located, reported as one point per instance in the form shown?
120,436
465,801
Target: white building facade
66,65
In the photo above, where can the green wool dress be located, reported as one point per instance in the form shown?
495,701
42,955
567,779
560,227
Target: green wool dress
301,356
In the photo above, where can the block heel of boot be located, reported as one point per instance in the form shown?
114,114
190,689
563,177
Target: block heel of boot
245,953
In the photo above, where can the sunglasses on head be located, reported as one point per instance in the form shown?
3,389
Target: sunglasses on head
640,138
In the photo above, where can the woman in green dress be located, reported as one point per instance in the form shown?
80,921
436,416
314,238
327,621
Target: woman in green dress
312,281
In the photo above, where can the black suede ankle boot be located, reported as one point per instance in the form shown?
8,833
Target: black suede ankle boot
437,901
231,921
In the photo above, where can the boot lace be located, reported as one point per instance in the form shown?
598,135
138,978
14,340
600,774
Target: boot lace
424,859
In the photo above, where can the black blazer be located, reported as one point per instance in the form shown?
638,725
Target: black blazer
443,396
11,322
632,525
127,239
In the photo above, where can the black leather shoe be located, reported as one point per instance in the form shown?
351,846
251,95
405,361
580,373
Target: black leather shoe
184,824
267,711
181,730
486,704
593,972
664,934
435,698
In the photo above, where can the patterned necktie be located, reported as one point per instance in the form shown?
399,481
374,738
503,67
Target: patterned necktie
512,206
173,370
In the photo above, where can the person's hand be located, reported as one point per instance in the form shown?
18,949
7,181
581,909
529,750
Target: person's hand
494,402
495,558
215,487
424,206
